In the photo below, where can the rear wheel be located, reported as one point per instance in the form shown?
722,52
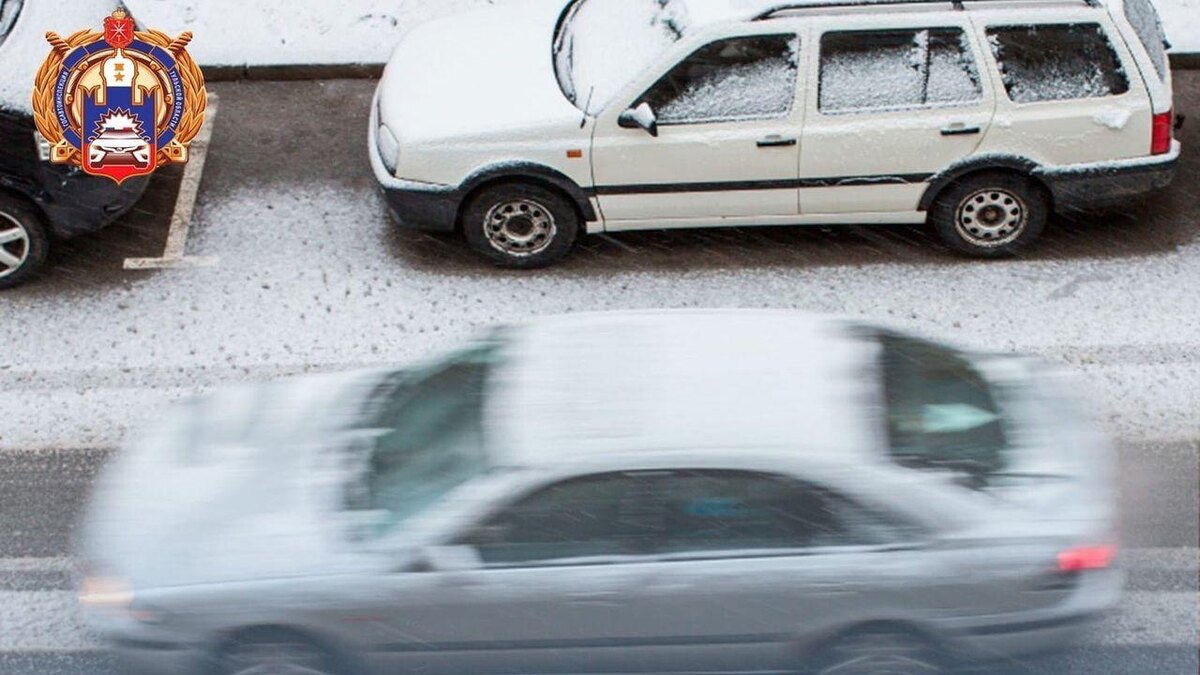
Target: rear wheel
23,241
520,225
991,215
878,651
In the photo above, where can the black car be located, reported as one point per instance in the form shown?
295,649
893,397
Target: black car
39,201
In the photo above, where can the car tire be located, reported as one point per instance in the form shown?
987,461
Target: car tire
275,652
24,243
877,650
520,225
991,215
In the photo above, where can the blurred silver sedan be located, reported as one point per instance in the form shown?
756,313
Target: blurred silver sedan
706,491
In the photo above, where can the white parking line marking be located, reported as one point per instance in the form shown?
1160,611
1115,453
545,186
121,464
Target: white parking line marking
181,220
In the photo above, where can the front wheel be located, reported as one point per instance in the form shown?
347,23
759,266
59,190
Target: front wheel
23,242
991,215
520,225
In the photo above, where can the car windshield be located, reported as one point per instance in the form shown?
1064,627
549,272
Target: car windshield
598,50
428,435
9,10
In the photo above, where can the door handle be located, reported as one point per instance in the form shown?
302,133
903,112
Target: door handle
776,141
960,130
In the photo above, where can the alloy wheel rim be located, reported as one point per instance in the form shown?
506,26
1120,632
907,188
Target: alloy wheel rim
519,227
881,654
14,245
991,218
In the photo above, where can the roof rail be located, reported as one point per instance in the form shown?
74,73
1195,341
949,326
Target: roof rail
819,4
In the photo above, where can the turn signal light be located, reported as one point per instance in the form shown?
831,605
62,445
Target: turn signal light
1086,558
1160,141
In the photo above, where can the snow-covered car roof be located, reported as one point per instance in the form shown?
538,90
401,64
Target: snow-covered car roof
686,380
25,48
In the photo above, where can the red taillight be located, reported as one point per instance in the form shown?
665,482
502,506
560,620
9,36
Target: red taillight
1086,558
1160,140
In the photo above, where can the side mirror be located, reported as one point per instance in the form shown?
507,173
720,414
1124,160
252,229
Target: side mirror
448,559
641,117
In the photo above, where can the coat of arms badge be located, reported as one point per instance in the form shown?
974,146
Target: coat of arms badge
119,103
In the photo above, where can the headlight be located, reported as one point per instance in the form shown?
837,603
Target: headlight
105,593
388,146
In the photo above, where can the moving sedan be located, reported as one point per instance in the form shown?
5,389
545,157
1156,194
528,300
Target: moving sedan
635,492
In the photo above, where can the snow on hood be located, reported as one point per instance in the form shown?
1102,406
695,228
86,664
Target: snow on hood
241,484
476,72
25,48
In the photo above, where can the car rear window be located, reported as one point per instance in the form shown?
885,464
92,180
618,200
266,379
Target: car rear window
1146,23
894,70
940,411
1057,62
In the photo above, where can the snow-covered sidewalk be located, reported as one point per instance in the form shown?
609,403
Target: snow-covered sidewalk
318,32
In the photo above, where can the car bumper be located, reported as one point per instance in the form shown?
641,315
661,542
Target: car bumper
76,203
421,206
152,658
1090,187
987,639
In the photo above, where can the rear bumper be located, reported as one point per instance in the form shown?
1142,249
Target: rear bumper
985,639
75,203
1090,187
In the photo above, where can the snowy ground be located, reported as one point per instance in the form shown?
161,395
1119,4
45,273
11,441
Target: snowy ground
274,32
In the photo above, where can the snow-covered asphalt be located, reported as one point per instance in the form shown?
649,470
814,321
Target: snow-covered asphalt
312,276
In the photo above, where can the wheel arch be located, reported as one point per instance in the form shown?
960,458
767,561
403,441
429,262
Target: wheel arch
532,173
1015,164
341,655
818,645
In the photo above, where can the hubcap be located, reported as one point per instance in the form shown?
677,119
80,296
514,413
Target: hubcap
14,245
519,227
990,218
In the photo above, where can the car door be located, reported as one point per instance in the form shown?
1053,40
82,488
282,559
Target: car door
548,592
751,564
727,142
897,100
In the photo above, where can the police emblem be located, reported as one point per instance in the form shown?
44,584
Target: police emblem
121,102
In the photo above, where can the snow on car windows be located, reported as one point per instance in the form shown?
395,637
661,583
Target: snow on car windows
736,79
1057,62
597,50
1144,19
882,70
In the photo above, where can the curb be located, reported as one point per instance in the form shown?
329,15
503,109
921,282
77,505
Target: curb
1190,61
359,71
334,71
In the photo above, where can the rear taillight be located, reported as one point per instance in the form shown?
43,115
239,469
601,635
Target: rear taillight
1160,139
1086,558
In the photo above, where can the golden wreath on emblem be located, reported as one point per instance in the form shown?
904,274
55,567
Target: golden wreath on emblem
121,102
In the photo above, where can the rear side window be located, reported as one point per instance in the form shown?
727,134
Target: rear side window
736,79
1057,62
940,411
1144,19
894,70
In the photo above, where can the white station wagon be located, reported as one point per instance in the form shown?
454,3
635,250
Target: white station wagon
529,124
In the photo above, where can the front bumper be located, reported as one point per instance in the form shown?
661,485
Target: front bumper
152,658
1090,187
421,206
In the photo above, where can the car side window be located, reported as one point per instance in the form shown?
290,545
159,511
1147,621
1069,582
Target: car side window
587,517
940,411
1057,62
724,511
881,70
740,78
